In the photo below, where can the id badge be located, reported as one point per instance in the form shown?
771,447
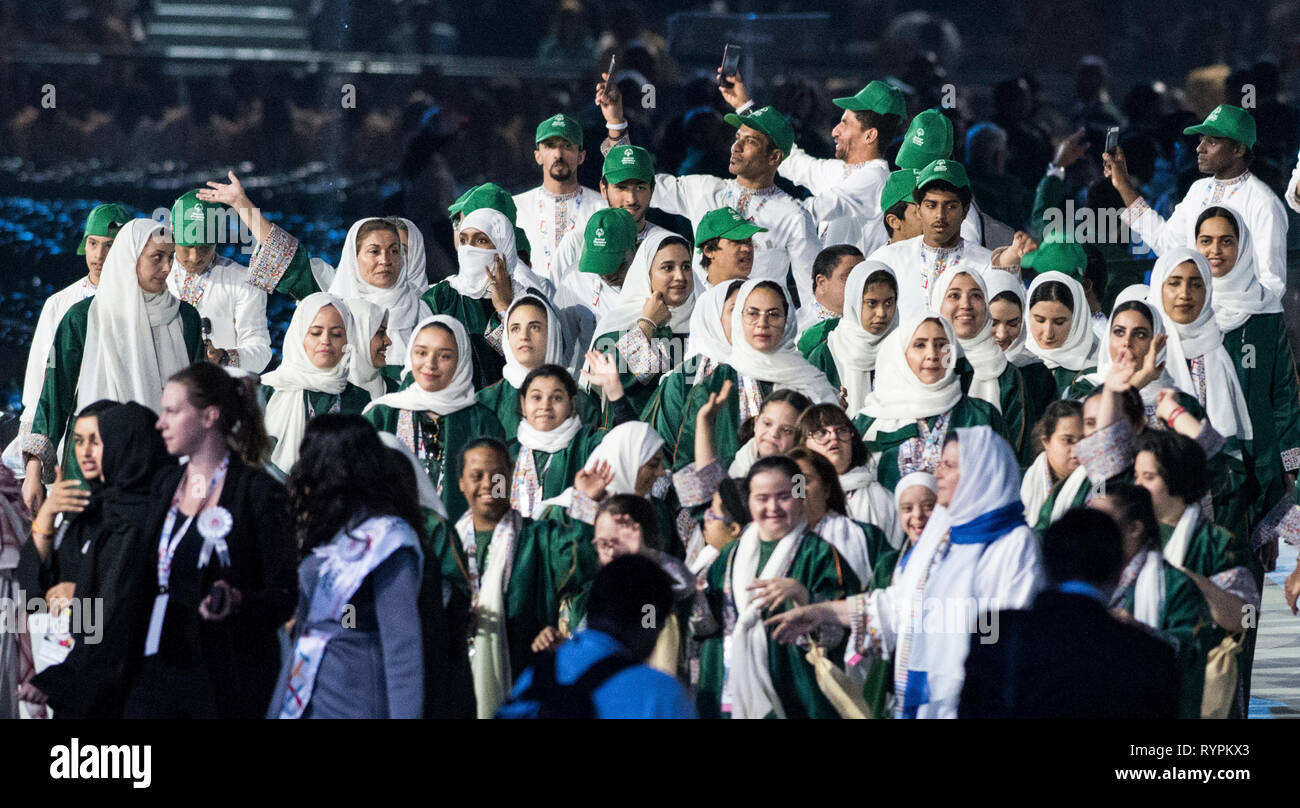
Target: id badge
155,624
726,674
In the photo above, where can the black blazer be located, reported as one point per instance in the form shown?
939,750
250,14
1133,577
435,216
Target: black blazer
1068,657
240,654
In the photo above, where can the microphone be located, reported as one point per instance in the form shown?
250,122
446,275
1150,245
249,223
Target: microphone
206,325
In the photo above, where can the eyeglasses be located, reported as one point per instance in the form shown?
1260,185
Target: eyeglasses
753,316
827,433
716,518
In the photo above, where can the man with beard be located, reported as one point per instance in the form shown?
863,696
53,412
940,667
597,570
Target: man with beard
548,212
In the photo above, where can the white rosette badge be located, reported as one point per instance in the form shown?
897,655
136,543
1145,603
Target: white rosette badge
214,525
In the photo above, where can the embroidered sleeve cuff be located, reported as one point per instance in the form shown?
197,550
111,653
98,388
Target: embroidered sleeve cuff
1108,451
642,360
609,143
494,337
1288,528
1291,458
1274,522
1131,214
271,258
1239,582
232,357
583,508
1209,439
42,448
864,636
697,486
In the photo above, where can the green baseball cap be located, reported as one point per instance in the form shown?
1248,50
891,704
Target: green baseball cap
190,220
879,97
610,234
898,188
521,241
560,125
770,122
1228,121
1057,255
487,195
104,220
628,163
949,171
725,223
928,138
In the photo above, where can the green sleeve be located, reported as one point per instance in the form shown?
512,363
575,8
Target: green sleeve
568,563
1286,396
725,429
1187,624
298,281
58,399
821,358
1012,386
1049,196
816,336
664,412
354,400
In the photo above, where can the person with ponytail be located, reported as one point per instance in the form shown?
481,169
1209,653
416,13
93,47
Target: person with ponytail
222,565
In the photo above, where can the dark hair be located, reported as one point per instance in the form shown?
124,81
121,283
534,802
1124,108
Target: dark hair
885,124
836,502
1053,292
1133,503
536,302
775,287
1084,544
781,463
1134,305
735,501
1180,462
619,598
881,276
1216,212
95,408
707,246
671,240
548,372
441,326
899,210
1010,297
207,385
374,226
962,194
733,287
819,416
794,398
1094,271
1131,404
829,258
639,510
1053,414
345,475
482,443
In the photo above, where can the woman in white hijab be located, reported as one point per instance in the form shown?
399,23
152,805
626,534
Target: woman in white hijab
848,356
649,325
1255,336
312,379
1009,323
976,549
1060,332
917,400
370,369
961,297
1182,292
121,345
763,358
436,415
534,336
373,268
1135,329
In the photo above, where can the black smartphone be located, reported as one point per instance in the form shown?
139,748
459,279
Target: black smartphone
217,599
610,72
730,63
1112,139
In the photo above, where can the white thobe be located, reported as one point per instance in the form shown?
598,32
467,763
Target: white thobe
235,308
918,267
546,218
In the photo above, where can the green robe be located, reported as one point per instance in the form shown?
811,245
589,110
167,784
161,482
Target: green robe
1040,390
454,431
816,336
392,376
556,470
298,281
554,560
668,404
726,428
503,399
57,408
478,317
639,392
351,401
1073,384
966,412
1011,397
824,574
1186,623
1261,352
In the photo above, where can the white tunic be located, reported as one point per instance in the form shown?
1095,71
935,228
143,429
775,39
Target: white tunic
839,190
1291,200
918,267
546,218
236,309
790,244
569,253
1264,213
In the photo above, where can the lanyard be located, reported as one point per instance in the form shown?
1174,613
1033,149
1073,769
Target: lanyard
169,540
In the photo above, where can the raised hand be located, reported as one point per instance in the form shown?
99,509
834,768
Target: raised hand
610,100
499,285
1021,245
229,193
1151,368
737,95
592,482
708,412
1120,376
1069,150
655,309
602,371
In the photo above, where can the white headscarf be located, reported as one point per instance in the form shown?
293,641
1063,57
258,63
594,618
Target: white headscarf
997,283
637,290
1225,403
286,414
707,339
556,350
900,397
456,396
134,340
414,256
853,347
984,355
472,279
910,480
1138,292
401,300
428,494
626,448
784,366
366,319
1081,344
1239,295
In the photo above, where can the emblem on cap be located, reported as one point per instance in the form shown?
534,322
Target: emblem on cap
919,137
